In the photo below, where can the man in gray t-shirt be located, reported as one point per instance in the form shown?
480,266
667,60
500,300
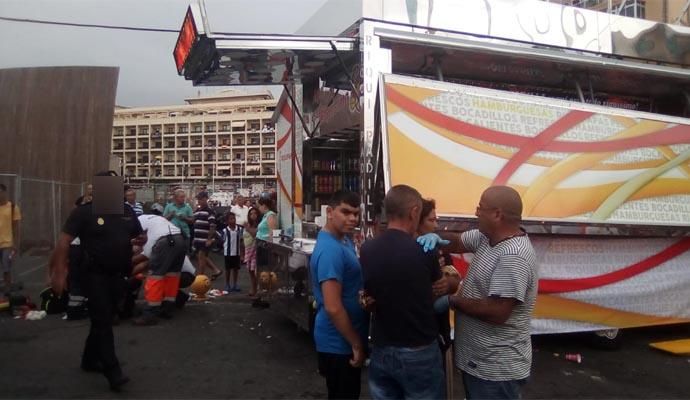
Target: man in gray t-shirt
494,307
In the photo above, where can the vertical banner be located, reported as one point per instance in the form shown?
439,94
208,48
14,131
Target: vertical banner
370,44
284,125
375,61
297,168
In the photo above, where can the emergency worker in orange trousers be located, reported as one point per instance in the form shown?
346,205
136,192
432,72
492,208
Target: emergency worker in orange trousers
166,249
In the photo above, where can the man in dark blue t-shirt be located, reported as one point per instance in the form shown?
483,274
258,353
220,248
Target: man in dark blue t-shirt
405,361
340,328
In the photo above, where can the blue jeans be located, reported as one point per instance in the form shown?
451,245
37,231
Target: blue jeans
407,373
477,388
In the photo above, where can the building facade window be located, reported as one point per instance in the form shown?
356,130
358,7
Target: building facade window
156,144
627,8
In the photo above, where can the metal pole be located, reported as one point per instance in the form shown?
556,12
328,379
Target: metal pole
292,163
683,11
437,67
52,186
59,208
579,92
17,189
17,199
620,8
591,88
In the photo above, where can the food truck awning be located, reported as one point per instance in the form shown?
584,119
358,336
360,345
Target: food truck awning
463,57
233,59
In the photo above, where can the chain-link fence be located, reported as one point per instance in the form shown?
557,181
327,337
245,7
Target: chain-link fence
44,206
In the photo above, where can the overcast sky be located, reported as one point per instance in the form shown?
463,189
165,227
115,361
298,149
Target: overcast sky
147,71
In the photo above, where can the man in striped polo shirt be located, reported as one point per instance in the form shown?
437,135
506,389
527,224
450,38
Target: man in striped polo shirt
131,200
205,235
494,307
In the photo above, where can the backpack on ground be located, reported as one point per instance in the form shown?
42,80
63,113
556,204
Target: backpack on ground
52,303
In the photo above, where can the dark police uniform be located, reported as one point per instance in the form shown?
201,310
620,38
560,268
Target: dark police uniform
107,250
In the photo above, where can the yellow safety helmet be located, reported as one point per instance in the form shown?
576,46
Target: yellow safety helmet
201,285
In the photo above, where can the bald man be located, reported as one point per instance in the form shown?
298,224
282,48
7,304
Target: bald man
494,307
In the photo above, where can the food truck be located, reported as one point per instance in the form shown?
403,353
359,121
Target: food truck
583,112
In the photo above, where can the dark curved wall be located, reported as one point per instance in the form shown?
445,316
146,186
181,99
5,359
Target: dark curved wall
56,121
55,126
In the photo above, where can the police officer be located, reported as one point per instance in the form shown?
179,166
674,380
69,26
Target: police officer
106,240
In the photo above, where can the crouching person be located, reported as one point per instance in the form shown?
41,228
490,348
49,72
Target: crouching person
135,281
166,249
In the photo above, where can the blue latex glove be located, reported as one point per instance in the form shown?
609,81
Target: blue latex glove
442,304
430,241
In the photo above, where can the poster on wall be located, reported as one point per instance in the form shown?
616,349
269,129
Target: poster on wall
570,161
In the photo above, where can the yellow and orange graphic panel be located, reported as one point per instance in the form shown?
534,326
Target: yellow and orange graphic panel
572,162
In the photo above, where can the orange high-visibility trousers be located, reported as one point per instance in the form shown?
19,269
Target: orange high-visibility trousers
171,284
154,290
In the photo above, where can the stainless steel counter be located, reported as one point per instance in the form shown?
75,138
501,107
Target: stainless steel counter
291,295
298,245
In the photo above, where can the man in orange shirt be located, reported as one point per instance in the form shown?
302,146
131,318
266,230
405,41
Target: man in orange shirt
9,236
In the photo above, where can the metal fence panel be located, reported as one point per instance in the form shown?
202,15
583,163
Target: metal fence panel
44,206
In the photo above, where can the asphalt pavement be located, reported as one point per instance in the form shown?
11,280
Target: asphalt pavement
224,348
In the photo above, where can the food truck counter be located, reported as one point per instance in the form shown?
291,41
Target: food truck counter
285,283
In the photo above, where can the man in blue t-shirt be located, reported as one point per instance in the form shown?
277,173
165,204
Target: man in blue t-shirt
340,328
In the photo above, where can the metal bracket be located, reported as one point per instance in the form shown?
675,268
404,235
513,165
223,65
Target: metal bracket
683,11
344,67
579,91
437,67
299,114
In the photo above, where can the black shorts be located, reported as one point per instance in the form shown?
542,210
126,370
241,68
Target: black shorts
232,262
343,381
201,246
262,255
